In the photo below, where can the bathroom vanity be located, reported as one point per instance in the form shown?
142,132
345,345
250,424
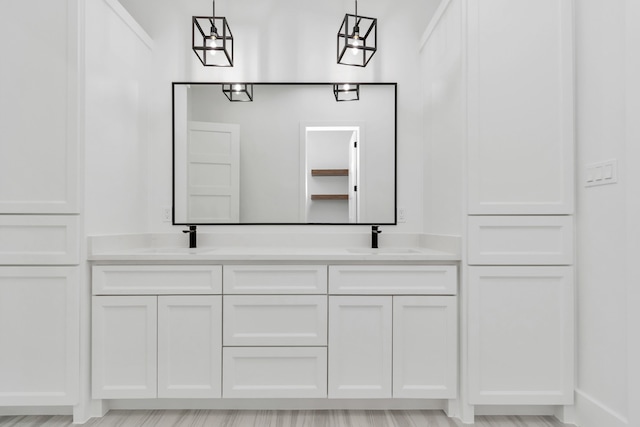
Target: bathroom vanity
273,323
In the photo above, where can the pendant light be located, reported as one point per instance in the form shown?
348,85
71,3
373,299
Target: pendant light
346,92
212,40
238,92
357,39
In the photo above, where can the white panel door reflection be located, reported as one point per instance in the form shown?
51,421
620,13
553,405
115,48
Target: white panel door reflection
213,173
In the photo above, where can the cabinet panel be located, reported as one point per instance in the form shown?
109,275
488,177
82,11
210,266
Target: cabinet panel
189,346
520,240
124,340
270,320
360,347
520,107
275,279
39,239
39,336
275,372
425,337
156,279
393,280
521,322
39,111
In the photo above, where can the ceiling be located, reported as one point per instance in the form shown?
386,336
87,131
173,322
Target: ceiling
152,15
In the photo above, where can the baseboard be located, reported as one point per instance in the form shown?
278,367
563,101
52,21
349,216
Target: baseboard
35,410
590,412
489,410
279,404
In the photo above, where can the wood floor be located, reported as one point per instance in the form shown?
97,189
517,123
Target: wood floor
227,418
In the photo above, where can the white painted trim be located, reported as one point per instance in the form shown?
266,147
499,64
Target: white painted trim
497,410
278,404
590,412
433,24
13,411
129,20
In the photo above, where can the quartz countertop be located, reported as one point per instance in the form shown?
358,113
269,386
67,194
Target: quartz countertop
302,247
220,254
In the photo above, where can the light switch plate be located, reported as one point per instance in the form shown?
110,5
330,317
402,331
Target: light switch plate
601,173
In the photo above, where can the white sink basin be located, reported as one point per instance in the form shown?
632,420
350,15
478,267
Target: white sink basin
178,251
383,251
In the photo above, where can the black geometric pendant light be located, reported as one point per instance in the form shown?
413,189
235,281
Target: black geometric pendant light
357,39
212,40
346,92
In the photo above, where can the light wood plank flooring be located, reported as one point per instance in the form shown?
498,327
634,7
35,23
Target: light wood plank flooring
228,418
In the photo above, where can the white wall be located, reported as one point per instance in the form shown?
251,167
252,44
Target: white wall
444,122
606,222
118,54
288,40
632,14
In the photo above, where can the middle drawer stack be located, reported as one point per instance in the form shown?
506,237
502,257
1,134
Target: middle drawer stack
275,331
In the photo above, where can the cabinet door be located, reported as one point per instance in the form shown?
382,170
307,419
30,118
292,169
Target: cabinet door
520,107
521,335
124,338
425,346
189,346
39,330
360,346
39,111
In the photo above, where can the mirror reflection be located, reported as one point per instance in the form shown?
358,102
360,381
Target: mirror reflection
292,155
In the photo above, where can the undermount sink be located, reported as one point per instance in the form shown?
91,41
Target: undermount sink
383,251
177,250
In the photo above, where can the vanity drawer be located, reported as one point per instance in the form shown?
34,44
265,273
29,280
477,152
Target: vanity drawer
393,280
275,279
156,279
274,372
275,320
520,240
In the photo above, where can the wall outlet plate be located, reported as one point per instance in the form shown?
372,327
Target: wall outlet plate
601,173
166,214
402,215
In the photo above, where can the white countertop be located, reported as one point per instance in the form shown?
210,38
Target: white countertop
218,254
282,247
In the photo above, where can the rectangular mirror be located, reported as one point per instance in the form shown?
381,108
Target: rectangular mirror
292,155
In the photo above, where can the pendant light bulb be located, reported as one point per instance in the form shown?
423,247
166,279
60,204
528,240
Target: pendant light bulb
211,42
356,44
237,88
356,35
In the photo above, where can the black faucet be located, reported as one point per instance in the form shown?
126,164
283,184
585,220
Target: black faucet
192,236
375,230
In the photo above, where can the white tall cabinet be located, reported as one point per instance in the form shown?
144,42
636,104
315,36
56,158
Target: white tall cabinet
39,203
498,81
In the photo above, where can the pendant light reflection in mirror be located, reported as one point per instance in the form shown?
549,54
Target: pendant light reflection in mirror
346,92
238,92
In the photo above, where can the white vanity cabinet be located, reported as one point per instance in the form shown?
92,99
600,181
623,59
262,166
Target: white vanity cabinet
277,331
383,345
150,345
